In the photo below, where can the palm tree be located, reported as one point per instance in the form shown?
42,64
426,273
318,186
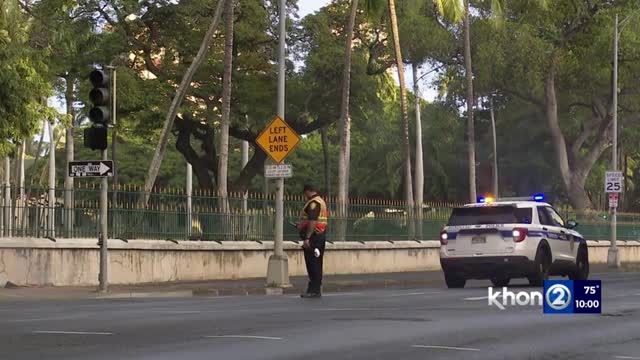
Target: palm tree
471,132
408,183
457,9
154,168
345,127
223,161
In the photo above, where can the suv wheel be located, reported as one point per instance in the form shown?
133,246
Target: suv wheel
500,281
542,266
454,281
581,271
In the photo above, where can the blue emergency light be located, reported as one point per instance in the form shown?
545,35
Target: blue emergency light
489,199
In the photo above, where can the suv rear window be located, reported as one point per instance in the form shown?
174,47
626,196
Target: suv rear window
490,215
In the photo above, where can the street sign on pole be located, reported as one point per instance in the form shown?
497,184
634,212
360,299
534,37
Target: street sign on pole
278,140
91,168
277,171
613,182
613,200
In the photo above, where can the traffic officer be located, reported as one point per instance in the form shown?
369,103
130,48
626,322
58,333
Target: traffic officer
313,229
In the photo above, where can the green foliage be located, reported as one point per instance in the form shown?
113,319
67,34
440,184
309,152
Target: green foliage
23,86
62,39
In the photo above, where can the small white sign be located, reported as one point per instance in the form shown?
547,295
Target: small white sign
613,200
278,171
613,182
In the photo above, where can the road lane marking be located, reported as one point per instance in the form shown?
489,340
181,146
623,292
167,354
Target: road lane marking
343,294
38,319
627,357
182,312
343,309
243,337
476,298
444,347
410,294
71,332
331,295
621,296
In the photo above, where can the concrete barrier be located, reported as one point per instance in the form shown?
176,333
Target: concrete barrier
75,262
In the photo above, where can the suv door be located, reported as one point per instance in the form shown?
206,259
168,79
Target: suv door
557,234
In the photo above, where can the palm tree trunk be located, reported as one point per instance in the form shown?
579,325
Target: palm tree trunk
7,222
223,151
20,203
327,163
408,183
69,149
345,130
154,168
470,125
39,148
419,170
51,198
495,152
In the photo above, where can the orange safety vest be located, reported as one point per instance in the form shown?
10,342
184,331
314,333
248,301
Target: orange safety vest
323,218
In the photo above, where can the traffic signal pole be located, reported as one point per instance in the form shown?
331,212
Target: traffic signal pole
612,256
104,255
96,138
278,267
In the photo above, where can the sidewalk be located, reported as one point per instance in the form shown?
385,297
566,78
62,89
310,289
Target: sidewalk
243,287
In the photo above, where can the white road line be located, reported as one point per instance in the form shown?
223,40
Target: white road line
343,309
410,294
626,357
444,347
343,294
243,337
476,298
621,296
38,319
72,332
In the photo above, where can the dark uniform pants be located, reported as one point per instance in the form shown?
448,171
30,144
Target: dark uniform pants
314,264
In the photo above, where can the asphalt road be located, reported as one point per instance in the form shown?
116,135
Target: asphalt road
429,322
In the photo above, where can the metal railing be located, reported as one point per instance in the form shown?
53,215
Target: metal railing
168,216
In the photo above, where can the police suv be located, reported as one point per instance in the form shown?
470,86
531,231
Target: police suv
511,238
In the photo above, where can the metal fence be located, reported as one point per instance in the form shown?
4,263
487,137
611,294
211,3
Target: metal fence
174,215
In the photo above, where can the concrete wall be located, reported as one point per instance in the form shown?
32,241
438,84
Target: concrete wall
75,262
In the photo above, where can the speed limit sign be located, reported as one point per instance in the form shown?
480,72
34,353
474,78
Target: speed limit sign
613,182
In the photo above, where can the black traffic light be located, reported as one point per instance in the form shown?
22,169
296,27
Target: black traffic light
95,137
100,97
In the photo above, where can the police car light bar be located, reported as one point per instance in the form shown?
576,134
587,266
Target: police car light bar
485,200
537,198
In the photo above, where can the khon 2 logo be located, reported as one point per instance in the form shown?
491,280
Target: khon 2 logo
572,297
558,297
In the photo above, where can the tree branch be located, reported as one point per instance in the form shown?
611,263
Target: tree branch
526,97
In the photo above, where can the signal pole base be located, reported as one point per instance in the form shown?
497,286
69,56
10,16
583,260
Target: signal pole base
278,272
613,261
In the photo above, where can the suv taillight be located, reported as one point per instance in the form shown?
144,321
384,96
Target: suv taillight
519,234
444,237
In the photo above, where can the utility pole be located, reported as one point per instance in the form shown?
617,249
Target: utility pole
612,255
189,223
245,161
51,214
495,151
7,196
278,268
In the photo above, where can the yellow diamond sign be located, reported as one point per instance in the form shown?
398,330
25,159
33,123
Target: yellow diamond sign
278,139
